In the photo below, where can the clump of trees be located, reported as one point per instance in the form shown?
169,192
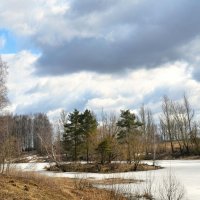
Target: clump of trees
81,136
132,138
31,132
108,140
78,134
179,127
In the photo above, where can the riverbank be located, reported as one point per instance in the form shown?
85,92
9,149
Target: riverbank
33,157
178,157
31,186
186,172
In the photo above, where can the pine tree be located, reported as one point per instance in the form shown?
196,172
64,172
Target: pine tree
73,136
128,125
89,126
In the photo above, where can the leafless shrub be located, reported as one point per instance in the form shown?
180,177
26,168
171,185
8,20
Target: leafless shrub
148,189
81,182
171,188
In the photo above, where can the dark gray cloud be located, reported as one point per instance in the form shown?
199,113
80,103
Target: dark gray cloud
129,35
196,74
88,6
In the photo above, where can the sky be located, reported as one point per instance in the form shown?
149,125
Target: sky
100,54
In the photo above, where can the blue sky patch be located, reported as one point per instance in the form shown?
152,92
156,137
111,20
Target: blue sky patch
14,43
10,42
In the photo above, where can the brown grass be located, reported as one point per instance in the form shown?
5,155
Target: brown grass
111,181
99,168
32,186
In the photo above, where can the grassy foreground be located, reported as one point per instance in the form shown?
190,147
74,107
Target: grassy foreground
30,186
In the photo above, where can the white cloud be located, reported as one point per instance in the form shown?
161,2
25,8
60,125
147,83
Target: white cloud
33,16
123,34
57,21
19,77
29,93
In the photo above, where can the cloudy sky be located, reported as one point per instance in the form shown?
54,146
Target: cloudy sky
110,54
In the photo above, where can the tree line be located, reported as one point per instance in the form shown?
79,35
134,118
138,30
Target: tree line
84,136
130,137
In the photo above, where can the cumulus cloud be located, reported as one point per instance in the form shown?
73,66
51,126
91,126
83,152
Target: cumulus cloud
193,57
91,90
28,18
85,45
129,35
104,36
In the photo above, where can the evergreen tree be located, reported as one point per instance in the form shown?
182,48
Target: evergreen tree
73,136
108,149
89,126
104,149
128,125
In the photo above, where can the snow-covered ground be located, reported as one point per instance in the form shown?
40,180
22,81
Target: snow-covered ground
187,173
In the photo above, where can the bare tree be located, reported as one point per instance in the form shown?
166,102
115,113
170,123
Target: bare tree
107,125
190,123
6,141
166,121
148,130
42,132
183,125
3,88
195,137
181,128
107,136
60,130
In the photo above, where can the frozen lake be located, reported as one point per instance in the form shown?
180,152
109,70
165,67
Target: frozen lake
187,173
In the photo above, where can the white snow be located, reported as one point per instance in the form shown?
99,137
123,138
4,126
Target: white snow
186,171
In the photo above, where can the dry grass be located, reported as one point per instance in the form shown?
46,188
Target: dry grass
99,168
31,186
111,181
164,152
